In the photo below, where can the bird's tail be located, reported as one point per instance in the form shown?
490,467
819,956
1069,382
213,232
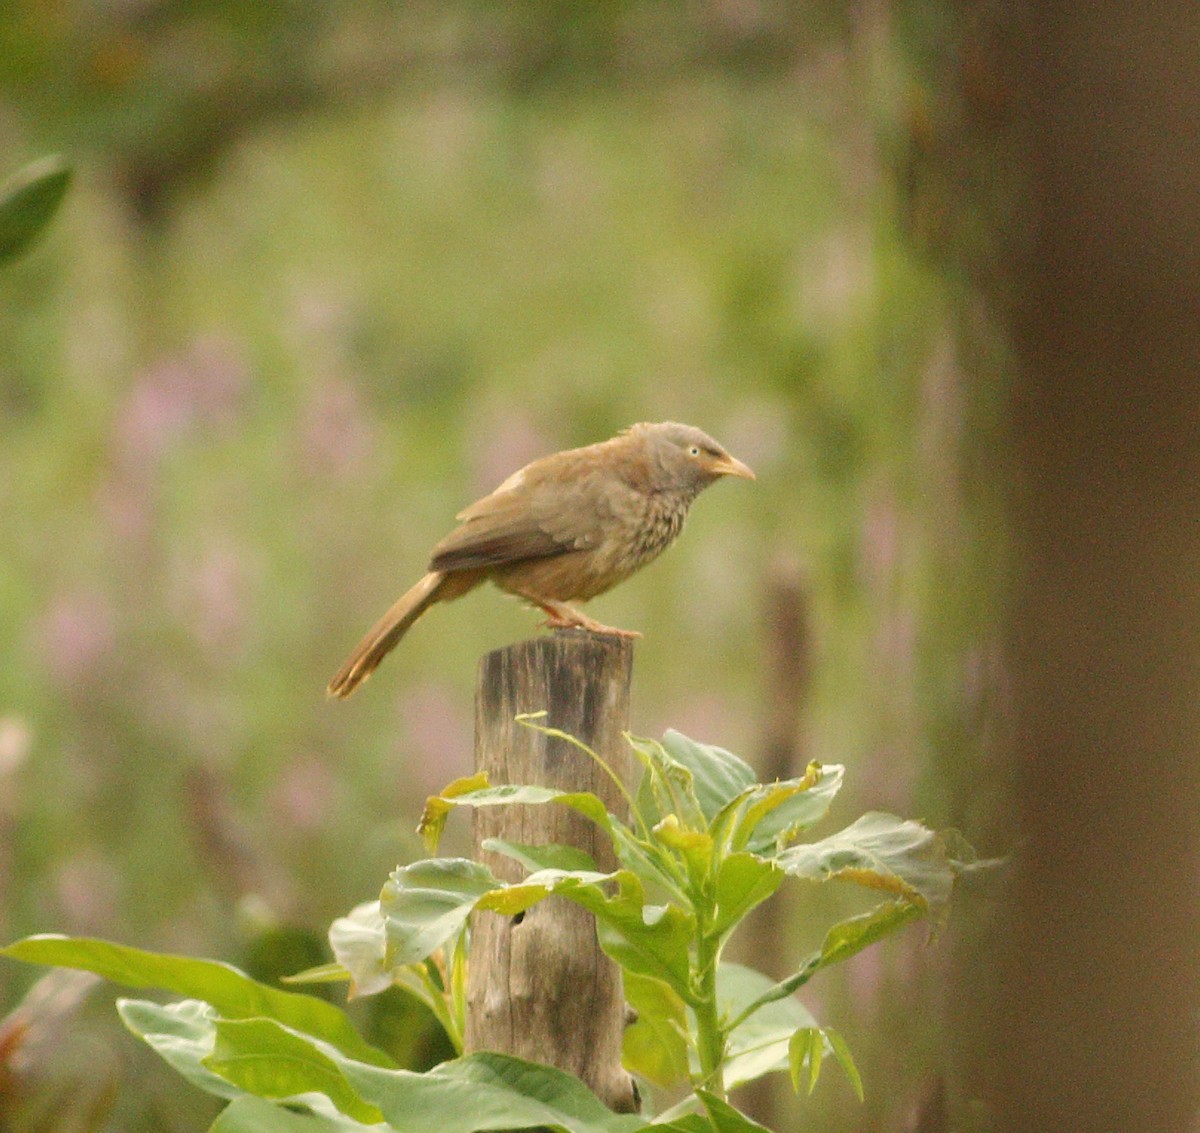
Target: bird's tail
386,633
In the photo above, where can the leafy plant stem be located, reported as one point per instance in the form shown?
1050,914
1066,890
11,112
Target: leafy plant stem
670,867
711,839
781,989
442,1011
665,781
710,1035
529,720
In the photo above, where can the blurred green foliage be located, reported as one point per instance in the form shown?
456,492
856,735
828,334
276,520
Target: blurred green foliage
328,271
28,202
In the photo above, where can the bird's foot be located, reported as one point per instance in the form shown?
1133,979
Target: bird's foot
593,626
562,616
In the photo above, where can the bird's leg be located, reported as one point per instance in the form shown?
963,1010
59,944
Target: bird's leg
562,616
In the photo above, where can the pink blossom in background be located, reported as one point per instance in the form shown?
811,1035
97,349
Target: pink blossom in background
305,795
125,507
316,315
16,740
203,387
880,542
211,593
87,888
895,647
154,413
336,431
439,733
220,380
76,635
510,442
865,980
943,419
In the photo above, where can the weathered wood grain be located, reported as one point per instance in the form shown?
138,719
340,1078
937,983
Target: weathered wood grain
539,987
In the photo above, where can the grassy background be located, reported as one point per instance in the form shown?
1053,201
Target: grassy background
327,275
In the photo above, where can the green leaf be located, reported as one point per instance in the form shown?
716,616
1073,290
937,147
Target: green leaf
248,1114
650,940
842,1053
654,1046
759,1044
688,1123
488,1091
28,202
182,1034
426,903
718,775
479,1092
482,1091
879,851
438,808
694,846
690,779
359,942
270,1061
509,900
849,937
807,1046
185,1034
234,994
743,881
457,794
331,973
780,811
534,858
649,861
842,941
509,794
726,1119
667,787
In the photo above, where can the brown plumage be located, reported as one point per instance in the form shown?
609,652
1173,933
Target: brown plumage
563,529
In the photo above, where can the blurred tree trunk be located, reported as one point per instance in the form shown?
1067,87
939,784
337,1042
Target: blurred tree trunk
1093,963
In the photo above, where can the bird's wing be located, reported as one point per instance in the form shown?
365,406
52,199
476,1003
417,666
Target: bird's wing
548,508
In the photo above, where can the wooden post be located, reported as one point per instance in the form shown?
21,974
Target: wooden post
539,987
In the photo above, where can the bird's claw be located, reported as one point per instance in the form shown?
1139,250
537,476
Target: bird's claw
567,618
595,627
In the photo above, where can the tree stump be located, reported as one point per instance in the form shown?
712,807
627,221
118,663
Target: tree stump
539,986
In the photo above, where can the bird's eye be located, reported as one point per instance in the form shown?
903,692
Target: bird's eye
694,450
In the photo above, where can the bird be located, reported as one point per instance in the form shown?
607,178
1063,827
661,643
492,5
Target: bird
562,529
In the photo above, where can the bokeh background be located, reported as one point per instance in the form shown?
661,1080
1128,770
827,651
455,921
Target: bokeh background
330,270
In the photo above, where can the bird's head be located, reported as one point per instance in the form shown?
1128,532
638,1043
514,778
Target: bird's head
688,458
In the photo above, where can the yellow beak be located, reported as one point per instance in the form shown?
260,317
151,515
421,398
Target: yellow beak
731,466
